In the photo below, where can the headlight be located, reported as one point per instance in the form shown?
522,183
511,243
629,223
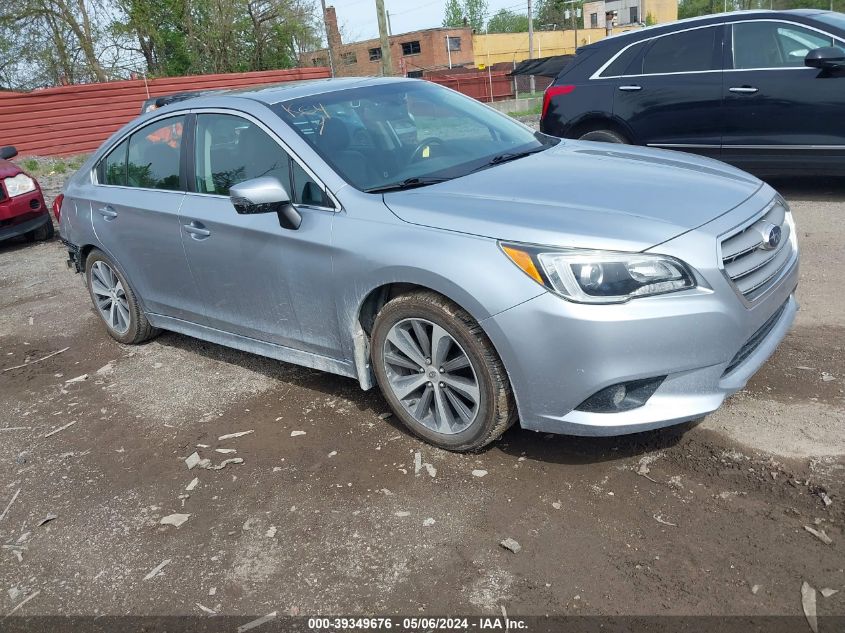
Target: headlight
601,276
19,185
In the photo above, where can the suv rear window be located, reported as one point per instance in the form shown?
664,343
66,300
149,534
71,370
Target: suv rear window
688,51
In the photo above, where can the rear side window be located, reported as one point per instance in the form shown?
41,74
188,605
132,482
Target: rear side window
619,66
688,51
153,161
112,168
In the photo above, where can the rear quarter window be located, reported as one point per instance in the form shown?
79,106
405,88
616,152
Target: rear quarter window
619,66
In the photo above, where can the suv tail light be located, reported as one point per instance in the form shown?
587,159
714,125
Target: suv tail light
57,206
553,91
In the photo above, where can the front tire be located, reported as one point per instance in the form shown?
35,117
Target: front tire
604,136
115,301
42,233
440,373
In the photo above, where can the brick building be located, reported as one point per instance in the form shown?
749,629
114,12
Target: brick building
412,53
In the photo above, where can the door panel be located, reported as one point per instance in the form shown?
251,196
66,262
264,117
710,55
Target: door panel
780,114
135,215
671,95
255,278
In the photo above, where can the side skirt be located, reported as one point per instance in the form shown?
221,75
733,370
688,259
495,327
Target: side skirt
254,346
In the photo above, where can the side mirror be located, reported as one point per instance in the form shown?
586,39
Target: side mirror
265,195
8,152
827,57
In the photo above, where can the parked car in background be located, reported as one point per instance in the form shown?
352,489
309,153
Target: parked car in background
400,233
763,90
22,208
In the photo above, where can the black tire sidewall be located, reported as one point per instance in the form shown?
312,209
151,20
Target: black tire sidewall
486,418
130,336
603,136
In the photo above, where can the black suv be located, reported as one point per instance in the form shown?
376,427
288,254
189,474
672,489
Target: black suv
763,90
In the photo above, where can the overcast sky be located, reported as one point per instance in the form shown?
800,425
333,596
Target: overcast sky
357,18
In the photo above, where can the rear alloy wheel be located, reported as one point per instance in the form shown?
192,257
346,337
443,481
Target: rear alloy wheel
440,373
115,302
604,136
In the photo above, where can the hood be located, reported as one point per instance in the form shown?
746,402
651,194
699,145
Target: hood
9,169
582,195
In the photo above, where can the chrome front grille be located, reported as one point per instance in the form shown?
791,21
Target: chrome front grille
751,259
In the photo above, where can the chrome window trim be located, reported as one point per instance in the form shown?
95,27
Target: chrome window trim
598,73
336,209
113,146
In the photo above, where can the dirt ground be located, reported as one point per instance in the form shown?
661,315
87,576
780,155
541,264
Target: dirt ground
332,511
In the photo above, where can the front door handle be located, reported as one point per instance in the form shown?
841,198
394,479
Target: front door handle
745,90
197,230
630,88
107,212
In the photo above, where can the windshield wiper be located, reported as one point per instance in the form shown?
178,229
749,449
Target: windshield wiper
509,156
408,183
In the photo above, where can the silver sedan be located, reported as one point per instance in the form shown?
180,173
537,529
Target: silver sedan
401,234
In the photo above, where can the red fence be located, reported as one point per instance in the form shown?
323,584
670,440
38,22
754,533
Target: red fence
77,119
484,85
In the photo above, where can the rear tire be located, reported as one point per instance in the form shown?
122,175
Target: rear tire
461,398
604,136
115,301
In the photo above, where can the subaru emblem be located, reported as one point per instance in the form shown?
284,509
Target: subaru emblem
771,237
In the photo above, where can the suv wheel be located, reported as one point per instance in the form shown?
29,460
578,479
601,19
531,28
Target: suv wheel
604,136
440,373
115,301
42,233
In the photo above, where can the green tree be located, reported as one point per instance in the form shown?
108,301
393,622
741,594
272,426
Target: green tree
454,14
552,15
506,21
459,13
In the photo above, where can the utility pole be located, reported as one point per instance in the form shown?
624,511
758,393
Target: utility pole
328,38
386,58
531,43
390,28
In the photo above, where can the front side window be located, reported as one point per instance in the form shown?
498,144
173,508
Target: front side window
378,135
153,155
411,48
687,51
774,44
230,149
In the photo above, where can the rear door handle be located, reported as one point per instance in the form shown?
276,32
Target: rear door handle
631,88
197,230
107,212
745,90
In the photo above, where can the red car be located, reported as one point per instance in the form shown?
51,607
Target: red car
22,208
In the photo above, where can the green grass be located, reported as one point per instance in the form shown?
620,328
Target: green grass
60,167
30,165
532,112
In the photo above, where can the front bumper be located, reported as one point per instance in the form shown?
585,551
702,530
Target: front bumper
22,214
558,354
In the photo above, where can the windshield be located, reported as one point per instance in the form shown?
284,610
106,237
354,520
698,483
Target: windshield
401,132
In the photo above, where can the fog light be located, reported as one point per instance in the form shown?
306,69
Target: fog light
622,396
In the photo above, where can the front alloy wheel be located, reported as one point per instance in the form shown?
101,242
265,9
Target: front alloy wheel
431,375
440,373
